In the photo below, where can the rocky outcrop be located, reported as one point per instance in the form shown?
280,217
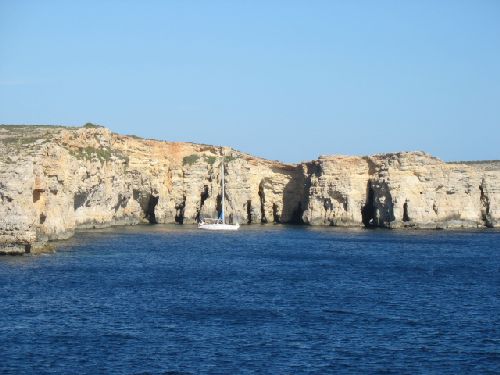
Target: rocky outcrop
408,189
337,191
54,180
415,189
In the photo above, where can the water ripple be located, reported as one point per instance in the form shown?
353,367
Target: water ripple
263,300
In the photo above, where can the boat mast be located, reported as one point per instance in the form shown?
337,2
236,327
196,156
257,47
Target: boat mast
222,216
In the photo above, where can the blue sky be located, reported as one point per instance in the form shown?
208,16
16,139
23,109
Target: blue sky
286,80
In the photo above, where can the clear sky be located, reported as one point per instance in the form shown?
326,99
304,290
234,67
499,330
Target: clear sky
286,80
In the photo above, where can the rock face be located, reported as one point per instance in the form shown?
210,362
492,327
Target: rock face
410,189
54,180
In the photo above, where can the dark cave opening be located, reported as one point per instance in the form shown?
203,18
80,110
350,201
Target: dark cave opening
36,195
485,206
297,215
327,204
203,197
150,210
146,200
179,211
276,215
249,212
80,200
218,205
405,211
121,201
484,200
262,197
368,210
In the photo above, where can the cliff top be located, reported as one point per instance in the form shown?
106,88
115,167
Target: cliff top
27,139
95,141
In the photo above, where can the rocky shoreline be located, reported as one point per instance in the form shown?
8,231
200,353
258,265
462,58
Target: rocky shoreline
54,180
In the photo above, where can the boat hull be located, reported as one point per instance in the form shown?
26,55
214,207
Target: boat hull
219,226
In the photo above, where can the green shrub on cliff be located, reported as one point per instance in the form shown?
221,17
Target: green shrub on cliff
88,153
19,141
211,159
90,125
190,160
193,158
102,154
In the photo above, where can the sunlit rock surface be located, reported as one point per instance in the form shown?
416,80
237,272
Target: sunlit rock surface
54,180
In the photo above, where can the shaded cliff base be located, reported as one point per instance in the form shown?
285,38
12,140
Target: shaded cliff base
55,180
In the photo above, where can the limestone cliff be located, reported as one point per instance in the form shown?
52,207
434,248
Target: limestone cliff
54,180
411,189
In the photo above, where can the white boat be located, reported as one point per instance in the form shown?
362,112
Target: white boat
219,223
216,224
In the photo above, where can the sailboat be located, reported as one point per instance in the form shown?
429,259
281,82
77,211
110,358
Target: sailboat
219,223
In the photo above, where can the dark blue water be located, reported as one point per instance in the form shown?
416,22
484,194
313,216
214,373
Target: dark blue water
263,300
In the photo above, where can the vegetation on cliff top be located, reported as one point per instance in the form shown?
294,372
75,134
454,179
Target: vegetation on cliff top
193,158
474,162
102,154
21,139
32,127
90,125
88,153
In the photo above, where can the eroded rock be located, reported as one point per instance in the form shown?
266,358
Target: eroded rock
54,180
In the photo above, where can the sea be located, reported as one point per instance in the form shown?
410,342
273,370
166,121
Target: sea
268,299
